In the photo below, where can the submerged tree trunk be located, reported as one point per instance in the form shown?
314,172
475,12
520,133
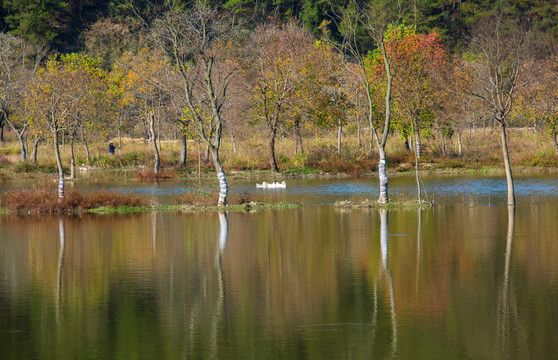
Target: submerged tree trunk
183,149
507,164
151,120
223,186
59,164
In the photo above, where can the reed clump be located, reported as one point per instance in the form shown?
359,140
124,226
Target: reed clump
47,202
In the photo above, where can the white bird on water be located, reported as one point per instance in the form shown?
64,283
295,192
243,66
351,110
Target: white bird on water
273,185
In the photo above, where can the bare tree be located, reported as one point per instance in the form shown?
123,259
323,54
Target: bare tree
280,69
374,22
501,50
14,73
195,42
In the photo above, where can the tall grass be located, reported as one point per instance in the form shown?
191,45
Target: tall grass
480,148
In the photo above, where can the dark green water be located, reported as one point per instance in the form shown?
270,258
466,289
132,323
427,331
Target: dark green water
452,282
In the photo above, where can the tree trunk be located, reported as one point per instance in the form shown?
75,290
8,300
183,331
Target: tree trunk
359,141
86,145
159,133
298,137
295,145
418,148
339,136
273,160
151,120
206,154
183,149
507,165
60,168
22,147
417,152
2,131
233,141
555,137
223,186
383,199
35,149
72,159
119,140
443,144
460,144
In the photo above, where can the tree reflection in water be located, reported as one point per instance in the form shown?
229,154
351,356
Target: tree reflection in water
508,317
386,277
62,233
218,314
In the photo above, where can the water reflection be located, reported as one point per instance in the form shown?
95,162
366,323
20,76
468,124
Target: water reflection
385,272
219,313
511,334
312,283
62,232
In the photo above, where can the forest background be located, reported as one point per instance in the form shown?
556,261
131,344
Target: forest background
297,86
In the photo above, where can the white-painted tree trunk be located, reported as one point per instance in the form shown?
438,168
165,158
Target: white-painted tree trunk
383,199
384,236
223,230
223,186
507,165
151,123
59,164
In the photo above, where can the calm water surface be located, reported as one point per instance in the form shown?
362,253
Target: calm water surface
462,280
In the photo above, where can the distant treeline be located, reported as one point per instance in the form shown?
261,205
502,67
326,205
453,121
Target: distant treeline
64,25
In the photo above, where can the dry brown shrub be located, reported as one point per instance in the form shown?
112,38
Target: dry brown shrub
4,161
46,202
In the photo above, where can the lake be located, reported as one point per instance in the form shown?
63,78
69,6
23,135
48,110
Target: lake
465,279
